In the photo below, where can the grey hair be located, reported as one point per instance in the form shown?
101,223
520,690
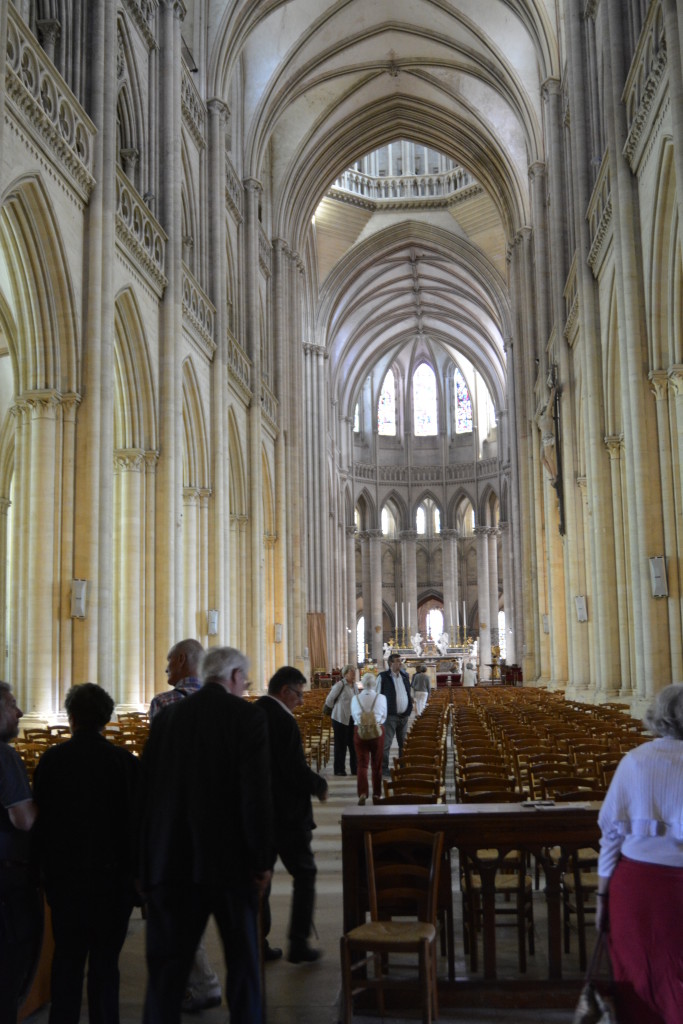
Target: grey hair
347,668
219,664
665,716
192,651
368,681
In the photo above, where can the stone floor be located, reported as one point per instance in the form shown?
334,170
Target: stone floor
309,994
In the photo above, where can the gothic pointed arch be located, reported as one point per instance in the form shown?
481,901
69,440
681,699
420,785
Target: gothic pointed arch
365,507
195,437
40,293
666,349
130,109
237,477
135,424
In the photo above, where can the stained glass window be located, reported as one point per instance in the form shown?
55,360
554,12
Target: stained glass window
463,404
421,520
437,521
385,522
424,401
386,408
356,419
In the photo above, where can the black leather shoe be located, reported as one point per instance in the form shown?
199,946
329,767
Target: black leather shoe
303,955
271,953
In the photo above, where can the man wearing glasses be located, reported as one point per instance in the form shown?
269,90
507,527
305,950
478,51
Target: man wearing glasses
293,784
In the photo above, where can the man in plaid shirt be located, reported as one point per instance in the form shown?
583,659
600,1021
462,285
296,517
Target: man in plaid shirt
182,669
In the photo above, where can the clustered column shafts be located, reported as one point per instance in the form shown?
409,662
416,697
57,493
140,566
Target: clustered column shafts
252,191
219,519
481,536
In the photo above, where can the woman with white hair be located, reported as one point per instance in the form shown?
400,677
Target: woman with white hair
338,704
640,893
369,711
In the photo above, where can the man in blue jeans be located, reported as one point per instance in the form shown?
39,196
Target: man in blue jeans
394,684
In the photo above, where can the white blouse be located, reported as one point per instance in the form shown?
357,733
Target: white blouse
642,814
363,702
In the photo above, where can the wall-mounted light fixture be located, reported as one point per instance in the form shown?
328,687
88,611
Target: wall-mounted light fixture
581,608
78,595
212,622
278,632
658,581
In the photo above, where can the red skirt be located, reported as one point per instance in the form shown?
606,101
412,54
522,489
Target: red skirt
646,942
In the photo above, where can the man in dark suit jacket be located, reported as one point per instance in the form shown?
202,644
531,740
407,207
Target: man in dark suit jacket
395,685
293,784
206,837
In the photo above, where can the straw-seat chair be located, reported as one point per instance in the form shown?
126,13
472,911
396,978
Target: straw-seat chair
403,867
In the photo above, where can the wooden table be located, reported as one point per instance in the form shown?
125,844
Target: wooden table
469,827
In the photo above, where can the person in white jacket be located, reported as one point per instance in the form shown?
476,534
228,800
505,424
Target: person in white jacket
368,701
338,701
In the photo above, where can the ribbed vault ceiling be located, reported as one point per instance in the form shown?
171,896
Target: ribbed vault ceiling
324,81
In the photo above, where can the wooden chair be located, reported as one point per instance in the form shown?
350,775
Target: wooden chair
511,880
403,868
579,886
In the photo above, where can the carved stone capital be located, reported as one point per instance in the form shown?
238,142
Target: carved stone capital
252,185
614,444
351,531
659,381
408,535
190,496
48,34
129,460
675,374
450,535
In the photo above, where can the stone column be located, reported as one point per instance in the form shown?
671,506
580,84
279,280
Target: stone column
653,661
508,595
4,8
659,382
252,190
483,602
94,495
449,543
614,445
219,522
566,558
5,505
152,669
352,649
283,394
367,590
128,468
41,664
204,560
493,582
376,591
168,540
408,540
191,561
603,626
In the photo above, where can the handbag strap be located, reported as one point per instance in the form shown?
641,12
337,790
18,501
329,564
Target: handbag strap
596,956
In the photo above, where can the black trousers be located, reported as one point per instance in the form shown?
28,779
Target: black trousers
88,926
176,919
343,741
294,849
21,933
